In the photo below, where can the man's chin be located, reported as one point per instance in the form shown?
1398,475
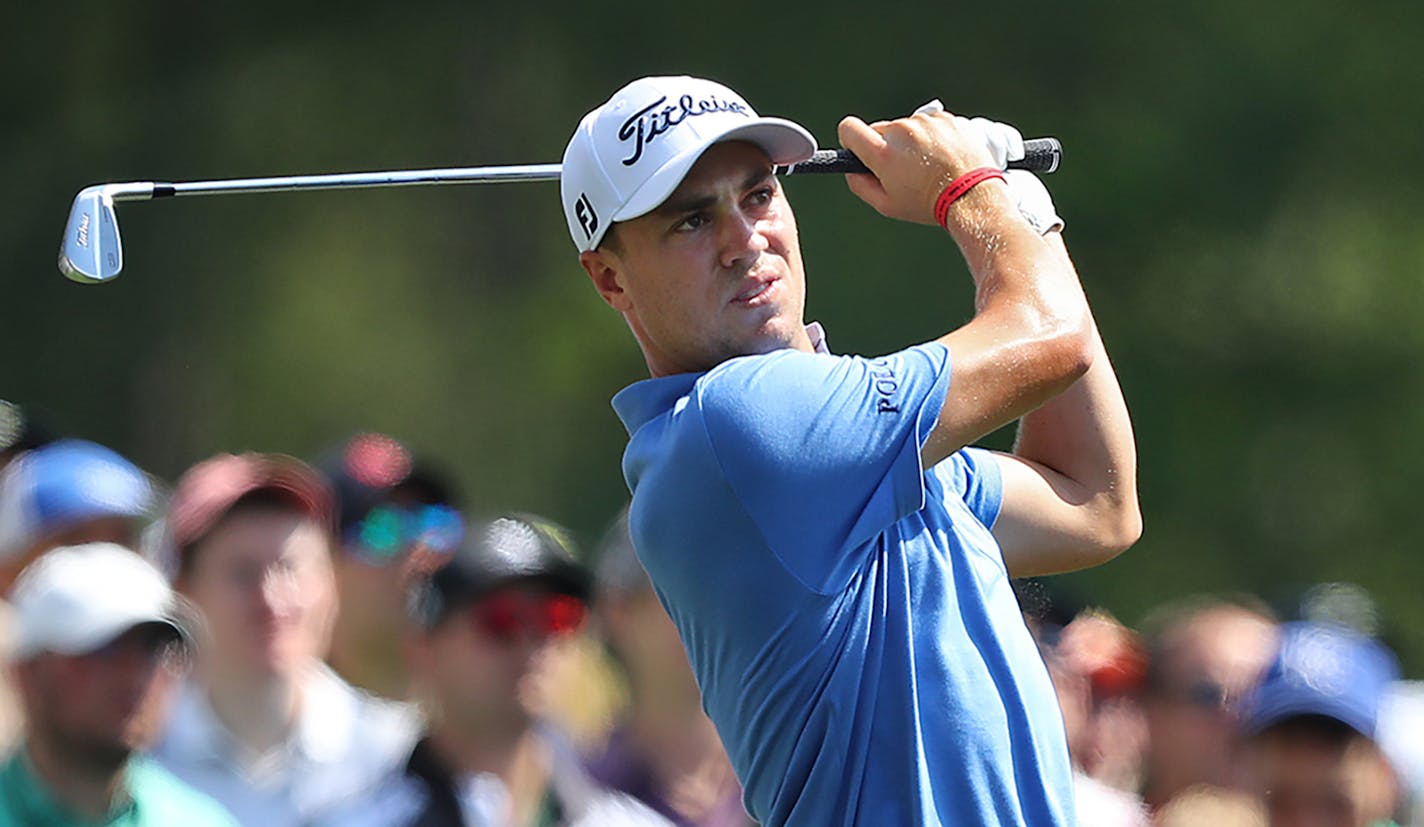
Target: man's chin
781,333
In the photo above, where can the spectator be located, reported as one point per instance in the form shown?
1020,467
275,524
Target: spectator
1204,654
665,751
97,629
1097,668
57,494
397,519
483,626
18,432
68,493
264,726
1312,725
1401,726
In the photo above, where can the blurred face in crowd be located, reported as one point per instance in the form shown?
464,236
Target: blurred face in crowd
478,666
1208,665
645,640
94,710
107,529
263,581
397,540
712,273
1310,778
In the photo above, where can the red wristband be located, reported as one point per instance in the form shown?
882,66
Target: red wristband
958,187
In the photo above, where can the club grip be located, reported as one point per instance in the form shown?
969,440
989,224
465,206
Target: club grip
1040,155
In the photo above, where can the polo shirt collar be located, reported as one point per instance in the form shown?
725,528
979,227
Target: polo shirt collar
642,401
30,799
325,717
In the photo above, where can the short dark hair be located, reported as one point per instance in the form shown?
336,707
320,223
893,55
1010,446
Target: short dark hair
610,240
262,500
1319,728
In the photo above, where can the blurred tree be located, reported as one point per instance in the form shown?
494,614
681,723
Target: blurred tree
1235,188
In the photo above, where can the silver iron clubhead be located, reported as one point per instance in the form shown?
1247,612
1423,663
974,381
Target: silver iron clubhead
91,252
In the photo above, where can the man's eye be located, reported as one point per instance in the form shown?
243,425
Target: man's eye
763,195
692,222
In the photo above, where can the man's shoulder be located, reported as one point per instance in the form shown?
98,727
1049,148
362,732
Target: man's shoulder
341,722
396,799
160,798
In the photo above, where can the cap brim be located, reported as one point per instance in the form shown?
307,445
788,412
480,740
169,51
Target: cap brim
1266,715
76,642
785,142
212,488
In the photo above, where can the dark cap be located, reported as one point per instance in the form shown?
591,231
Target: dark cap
210,489
366,469
516,548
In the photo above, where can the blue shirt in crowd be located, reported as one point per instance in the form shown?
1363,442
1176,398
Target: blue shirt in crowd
847,612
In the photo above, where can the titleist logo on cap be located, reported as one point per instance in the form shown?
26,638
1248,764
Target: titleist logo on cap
650,121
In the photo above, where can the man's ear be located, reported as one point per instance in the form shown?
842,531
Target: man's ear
605,270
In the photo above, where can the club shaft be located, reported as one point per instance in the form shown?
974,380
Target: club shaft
357,180
1043,156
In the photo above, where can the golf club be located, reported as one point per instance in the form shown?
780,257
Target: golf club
91,251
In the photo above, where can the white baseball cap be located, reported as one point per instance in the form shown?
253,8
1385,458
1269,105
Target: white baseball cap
75,599
628,155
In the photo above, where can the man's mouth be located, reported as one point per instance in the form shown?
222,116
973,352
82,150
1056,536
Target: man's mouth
753,291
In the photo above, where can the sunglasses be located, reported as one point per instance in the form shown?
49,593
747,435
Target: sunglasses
388,530
1204,695
504,615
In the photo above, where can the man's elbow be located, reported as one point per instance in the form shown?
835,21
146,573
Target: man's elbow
1119,529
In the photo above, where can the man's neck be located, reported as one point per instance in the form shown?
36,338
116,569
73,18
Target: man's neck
89,789
521,762
259,712
366,663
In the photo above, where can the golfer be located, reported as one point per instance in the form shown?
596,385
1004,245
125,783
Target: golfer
834,555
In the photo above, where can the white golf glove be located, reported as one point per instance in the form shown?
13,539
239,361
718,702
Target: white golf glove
1005,144
1033,201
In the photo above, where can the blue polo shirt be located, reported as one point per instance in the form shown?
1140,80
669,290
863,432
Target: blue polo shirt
846,611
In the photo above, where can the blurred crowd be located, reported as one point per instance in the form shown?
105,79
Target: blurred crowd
344,640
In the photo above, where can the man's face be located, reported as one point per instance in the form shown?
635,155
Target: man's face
714,272
263,581
1214,662
646,640
482,665
98,708
398,540
1311,782
105,529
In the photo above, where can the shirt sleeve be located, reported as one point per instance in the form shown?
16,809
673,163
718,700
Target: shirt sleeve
973,474
823,452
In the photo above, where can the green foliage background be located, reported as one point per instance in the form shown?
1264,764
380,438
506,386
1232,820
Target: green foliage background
1239,188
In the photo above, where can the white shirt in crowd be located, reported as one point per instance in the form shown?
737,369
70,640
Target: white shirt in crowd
400,800
343,742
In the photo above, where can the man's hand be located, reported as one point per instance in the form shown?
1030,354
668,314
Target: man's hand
913,159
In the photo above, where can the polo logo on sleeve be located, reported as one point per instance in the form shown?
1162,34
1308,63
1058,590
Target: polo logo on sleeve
651,121
587,218
886,385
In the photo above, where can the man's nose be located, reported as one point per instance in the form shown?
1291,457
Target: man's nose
743,237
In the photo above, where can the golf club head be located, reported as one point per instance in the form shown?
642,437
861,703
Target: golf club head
91,252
